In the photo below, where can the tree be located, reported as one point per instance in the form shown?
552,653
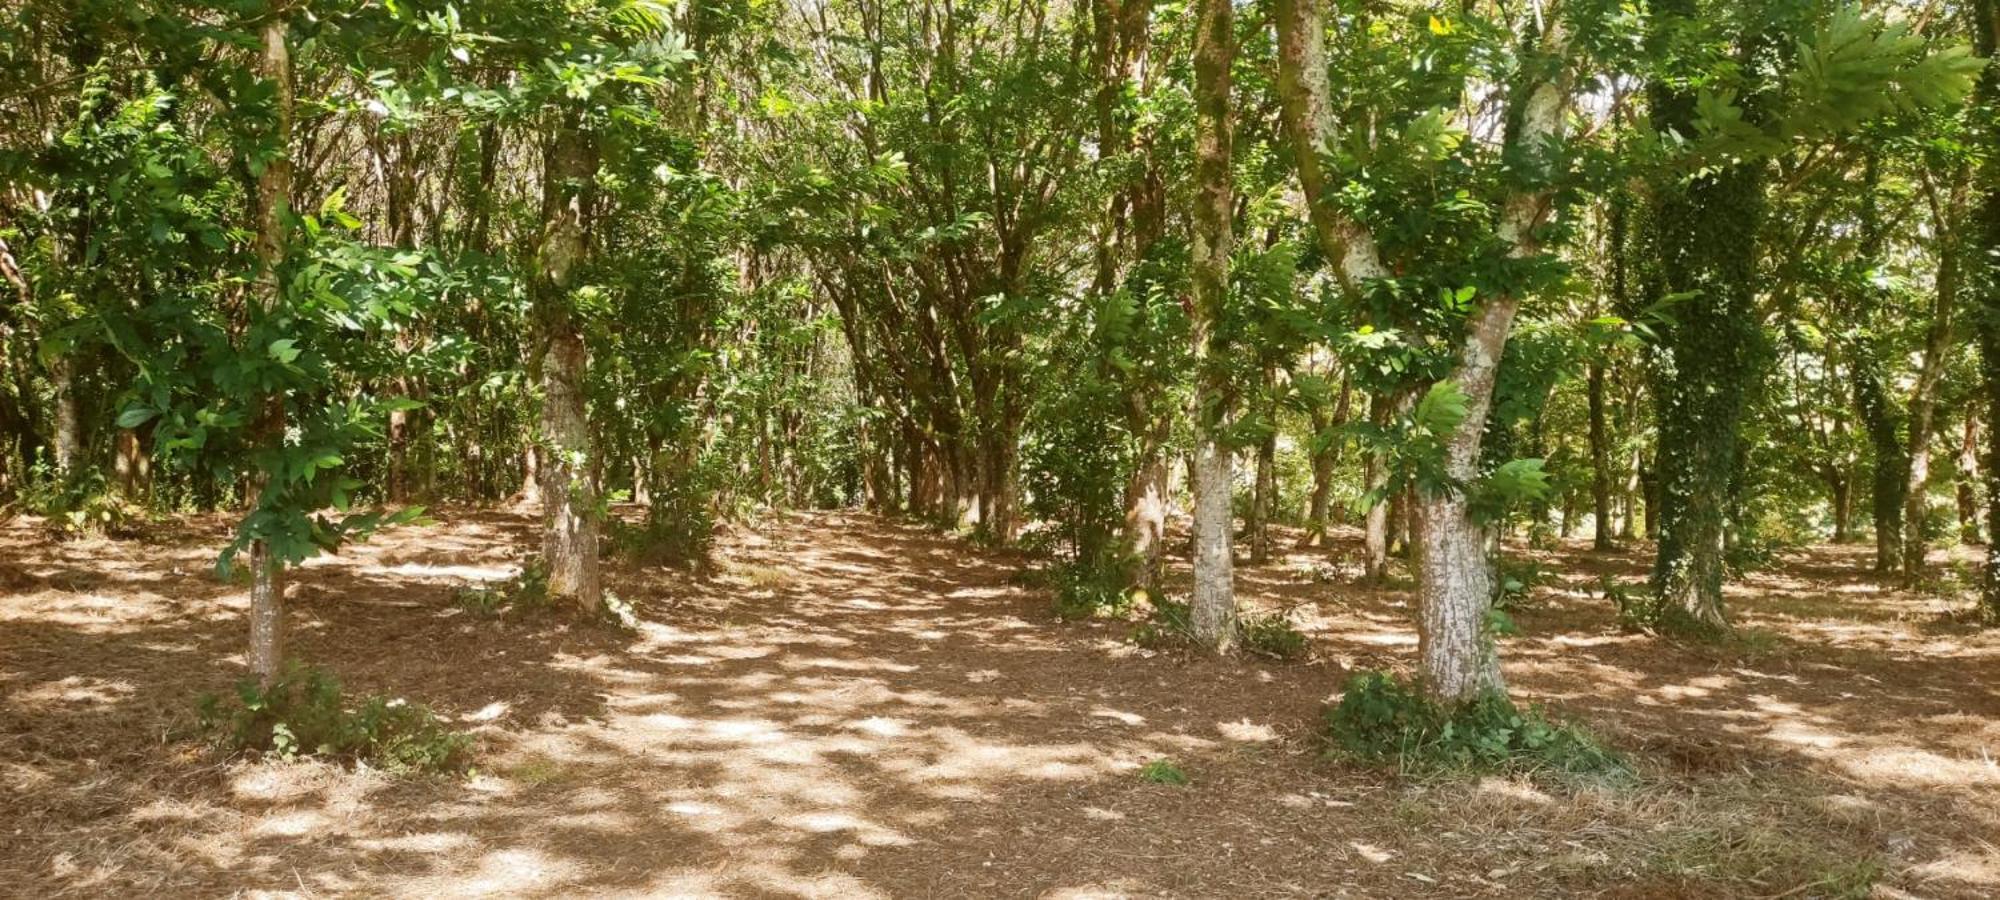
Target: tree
1213,606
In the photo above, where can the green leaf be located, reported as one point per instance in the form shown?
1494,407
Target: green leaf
135,416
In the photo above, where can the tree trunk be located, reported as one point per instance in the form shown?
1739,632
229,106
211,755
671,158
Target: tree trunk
1968,479
67,445
133,467
1923,404
1382,408
1455,580
1892,463
1706,239
1264,498
274,186
1600,462
1146,512
1213,606
1985,22
569,494
569,510
1843,508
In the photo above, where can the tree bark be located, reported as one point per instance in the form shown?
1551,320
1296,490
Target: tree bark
1600,462
67,445
1923,403
274,186
569,494
1213,606
1968,480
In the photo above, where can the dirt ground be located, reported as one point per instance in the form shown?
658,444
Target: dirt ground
853,707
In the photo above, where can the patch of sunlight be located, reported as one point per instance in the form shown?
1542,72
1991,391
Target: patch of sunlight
1981,868
490,712
437,572
425,842
882,727
172,811
74,689
1386,639
289,824
1803,735
1247,731
850,665
1370,852
512,872
829,822
1118,888
1105,712
1514,789
1905,766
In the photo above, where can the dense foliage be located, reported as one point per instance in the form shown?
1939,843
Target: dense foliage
1685,271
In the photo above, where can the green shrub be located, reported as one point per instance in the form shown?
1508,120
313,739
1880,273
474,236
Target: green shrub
1163,771
1273,636
1516,584
305,713
1168,624
1643,612
1084,591
1381,719
528,590
78,502
678,531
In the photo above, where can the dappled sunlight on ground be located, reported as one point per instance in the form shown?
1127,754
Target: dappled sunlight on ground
853,707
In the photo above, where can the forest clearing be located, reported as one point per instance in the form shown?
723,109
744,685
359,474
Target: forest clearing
854,708
963,448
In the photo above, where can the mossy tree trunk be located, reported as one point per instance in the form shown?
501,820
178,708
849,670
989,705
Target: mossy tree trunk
1704,240
569,492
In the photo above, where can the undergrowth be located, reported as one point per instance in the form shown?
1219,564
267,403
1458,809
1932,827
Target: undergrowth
678,531
1643,612
524,592
78,502
1084,591
1383,720
1170,625
304,712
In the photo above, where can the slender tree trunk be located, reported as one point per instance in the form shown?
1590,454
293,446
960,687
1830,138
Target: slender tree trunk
132,466
1376,527
1146,510
1264,499
1213,607
1456,583
1600,462
67,445
1968,480
1923,405
1843,508
274,186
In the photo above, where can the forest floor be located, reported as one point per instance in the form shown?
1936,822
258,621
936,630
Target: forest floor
853,707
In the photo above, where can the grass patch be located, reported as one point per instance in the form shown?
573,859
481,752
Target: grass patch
1162,771
304,712
1383,720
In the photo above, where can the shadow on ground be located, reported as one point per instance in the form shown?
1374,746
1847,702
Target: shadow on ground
857,707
